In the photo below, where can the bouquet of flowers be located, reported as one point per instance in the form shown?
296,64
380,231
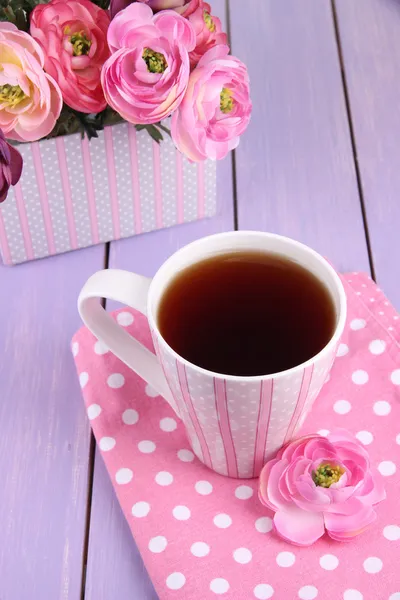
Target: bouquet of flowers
78,65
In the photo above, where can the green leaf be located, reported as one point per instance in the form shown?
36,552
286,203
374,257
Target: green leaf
152,130
102,3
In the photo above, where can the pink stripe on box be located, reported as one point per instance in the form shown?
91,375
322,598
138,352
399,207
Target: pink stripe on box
87,167
157,183
179,187
264,415
26,234
5,249
305,386
112,181
200,191
135,178
182,376
225,426
69,209
44,200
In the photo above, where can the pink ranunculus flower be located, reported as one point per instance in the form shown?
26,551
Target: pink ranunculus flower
146,77
30,100
184,7
10,166
316,484
73,36
208,31
216,108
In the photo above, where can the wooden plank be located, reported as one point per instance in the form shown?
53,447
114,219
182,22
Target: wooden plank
295,169
369,34
44,440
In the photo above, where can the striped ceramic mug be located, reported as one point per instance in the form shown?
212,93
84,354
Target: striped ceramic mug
234,424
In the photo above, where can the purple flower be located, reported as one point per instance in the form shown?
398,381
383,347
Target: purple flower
10,166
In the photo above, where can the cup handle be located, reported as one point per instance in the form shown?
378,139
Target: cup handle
132,290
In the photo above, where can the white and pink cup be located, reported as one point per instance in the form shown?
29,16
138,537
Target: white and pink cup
234,424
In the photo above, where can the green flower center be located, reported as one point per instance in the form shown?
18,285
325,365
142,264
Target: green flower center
11,94
80,43
226,100
155,61
327,474
208,20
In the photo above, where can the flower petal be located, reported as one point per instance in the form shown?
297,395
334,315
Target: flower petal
269,492
345,526
299,526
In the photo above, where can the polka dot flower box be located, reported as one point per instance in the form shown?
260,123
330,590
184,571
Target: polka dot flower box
74,193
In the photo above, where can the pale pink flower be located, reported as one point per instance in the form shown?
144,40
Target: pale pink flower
208,31
146,77
216,108
316,484
184,7
73,36
30,100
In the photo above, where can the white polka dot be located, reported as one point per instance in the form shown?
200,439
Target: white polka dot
164,478
168,424
185,455
372,565
130,416
75,348
146,446
200,549
219,586
181,513
244,492
359,377
342,407
395,377
83,379
263,524
357,324
382,408
352,595
323,432
392,533
106,443
398,438
140,509
175,581
285,559
329,562
387,468
242,556
223,521
203,487
115,381
395,596
158,544
308,592
100,348
151,392
365,437
123,476
263,591
93,411
125,318
377,347
342,350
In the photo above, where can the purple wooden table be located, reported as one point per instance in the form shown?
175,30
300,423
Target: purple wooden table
319,163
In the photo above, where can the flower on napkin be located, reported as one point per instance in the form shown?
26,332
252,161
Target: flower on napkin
316,484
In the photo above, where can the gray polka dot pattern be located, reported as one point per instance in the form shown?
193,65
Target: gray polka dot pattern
76,175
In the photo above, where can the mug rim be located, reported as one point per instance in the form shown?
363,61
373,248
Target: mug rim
334,339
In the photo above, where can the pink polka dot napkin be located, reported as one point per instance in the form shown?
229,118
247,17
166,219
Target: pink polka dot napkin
204,536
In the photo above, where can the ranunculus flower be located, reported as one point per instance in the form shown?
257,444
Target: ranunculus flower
316,484
184,7
73,36
30,100
10,166
216,108
147,76
208,31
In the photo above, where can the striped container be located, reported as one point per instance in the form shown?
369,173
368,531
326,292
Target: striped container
74,193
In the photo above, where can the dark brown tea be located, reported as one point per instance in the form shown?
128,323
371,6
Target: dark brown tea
246,313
